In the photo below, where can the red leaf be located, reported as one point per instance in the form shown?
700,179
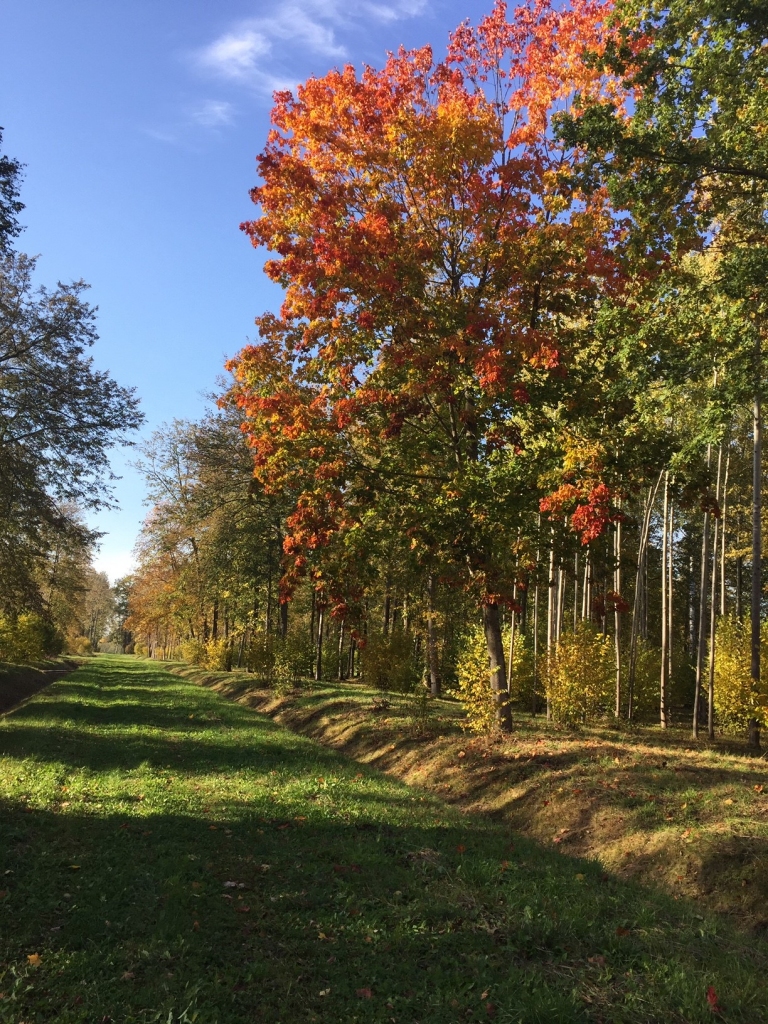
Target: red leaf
490,1009
622,931
364,993
712,1000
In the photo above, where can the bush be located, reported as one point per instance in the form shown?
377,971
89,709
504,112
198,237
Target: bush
387,661
79,645
522,679
581,676
30,637
736,698
280,662
474,675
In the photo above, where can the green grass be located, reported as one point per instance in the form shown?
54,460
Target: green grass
129,798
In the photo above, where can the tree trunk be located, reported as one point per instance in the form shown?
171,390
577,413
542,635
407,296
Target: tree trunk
713,611
617,615
664,682
739,587
642,553
387,610
510,663
432,658
702,637
550,616
215,621
342,631
283,619
575,591
757,549
319,647
723,511
670,605
492,627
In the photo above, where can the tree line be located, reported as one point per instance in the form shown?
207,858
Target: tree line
503,437
59,419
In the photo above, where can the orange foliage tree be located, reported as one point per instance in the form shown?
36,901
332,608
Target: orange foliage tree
440,261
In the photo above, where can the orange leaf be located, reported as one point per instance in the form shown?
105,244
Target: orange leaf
34,959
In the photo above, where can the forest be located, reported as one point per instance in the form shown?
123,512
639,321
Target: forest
502,440
438,690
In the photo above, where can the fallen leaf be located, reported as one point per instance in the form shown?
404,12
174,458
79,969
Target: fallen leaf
490,1009
196,926
728,801
34,959
484,996
598,960
462,753
242,910
364,993
213,828
74,867
127,975
579,878
759,789
324,992
622,931
712,1000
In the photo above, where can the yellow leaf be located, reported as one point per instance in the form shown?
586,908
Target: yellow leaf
34,959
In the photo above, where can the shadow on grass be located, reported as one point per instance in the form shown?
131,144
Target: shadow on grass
365,904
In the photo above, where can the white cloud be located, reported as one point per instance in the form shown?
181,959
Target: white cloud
258,51
213,114
235,54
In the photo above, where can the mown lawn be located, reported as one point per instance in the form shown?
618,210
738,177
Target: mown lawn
170,856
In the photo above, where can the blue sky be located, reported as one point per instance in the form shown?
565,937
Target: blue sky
139,122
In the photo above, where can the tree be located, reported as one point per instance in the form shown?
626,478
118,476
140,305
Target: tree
59,416
439,260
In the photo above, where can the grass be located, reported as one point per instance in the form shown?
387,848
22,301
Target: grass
169,856
650,806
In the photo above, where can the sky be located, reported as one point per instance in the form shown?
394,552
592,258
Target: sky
139,122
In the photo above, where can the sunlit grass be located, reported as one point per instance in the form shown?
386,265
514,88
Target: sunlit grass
130,798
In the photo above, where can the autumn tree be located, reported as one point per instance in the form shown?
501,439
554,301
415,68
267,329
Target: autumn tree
439,259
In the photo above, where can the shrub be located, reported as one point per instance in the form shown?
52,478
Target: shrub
521,680
387,661
580,678
79,645
30,637
192,651
736,697
474,675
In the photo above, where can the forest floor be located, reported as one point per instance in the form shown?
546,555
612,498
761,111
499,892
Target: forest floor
689,818
168,857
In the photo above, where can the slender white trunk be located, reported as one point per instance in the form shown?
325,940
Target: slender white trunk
664,684
702,638
723,510
617,613
713,610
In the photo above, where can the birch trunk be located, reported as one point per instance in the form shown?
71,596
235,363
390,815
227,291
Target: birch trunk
617,614
723,511
713,611
757,551
702,637
642,552
664,682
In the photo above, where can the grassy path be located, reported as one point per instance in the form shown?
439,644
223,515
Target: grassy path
169,856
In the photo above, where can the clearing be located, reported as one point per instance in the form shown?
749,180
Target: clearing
171,856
